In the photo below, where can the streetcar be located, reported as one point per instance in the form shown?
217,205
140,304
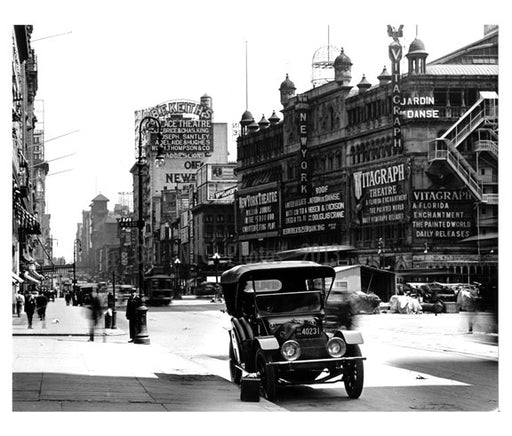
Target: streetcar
159,289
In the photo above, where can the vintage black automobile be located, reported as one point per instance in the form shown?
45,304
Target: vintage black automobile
277,333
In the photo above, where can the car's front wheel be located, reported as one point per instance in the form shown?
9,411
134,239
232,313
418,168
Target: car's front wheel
235,372
353,372
267,376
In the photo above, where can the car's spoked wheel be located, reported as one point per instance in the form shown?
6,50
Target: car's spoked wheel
236,373
267,376
353,374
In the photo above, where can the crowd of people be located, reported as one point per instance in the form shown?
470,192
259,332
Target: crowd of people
33,301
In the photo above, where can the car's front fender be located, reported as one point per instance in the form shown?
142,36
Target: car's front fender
350,336
267,343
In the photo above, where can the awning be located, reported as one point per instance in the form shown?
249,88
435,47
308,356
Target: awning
319,249
486,237
30,278
27,257
16,278
36,275
27,222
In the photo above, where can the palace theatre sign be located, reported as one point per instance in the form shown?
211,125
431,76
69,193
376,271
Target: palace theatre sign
187,140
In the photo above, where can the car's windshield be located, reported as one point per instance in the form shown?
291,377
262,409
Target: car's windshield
289,302
297,292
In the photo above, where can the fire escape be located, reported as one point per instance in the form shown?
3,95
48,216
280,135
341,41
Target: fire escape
482,121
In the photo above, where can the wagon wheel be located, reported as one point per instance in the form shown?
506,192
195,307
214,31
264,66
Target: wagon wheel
353,373
267,376
234,371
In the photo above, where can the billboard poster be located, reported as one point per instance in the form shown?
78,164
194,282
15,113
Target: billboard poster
320,212
395,55
187,136
381,195
187,127
442,215
257,212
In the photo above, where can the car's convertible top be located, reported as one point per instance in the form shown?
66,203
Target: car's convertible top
289,272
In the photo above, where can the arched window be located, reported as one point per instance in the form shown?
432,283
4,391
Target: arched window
338,160
366,152
331,118
330,162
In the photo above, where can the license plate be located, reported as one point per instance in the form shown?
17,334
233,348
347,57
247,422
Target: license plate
308,332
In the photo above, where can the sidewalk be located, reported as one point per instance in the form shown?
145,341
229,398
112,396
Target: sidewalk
57,369
61,320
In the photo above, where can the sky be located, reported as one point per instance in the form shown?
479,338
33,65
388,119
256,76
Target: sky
113,58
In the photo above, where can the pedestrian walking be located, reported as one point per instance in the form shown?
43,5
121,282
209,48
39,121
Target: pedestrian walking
41,303
20,301
134,301
217,295
30,307
94,307
67,297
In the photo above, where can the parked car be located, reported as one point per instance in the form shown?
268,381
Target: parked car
433,296
277,330
205,289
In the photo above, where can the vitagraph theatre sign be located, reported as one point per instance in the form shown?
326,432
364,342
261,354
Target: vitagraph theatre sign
381,195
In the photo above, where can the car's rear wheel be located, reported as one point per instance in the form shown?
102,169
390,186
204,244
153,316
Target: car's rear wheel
267,376
353,372
235,372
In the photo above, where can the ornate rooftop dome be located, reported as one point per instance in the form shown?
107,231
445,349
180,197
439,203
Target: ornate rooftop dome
247,118
417,46
287,84
342,59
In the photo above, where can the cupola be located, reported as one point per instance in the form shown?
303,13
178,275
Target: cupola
274,119
417,57
364,85
247,119
206,101
253,127
384,77
287,90
264,123
342,68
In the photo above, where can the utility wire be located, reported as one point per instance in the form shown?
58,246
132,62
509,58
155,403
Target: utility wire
51,36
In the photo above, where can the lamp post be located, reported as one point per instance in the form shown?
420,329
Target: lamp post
380,246
142,336
177,263
216,259
114,311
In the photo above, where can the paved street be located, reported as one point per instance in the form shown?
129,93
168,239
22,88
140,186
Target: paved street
429,363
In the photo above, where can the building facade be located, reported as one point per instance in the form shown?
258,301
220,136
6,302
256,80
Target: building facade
401,174
31,240
102,248
190,140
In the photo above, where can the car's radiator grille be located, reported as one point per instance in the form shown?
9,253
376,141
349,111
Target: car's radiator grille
313,348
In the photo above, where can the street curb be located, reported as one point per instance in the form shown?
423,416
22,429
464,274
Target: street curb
67,334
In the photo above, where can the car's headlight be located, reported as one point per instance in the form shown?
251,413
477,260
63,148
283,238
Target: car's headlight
336,347
290,350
